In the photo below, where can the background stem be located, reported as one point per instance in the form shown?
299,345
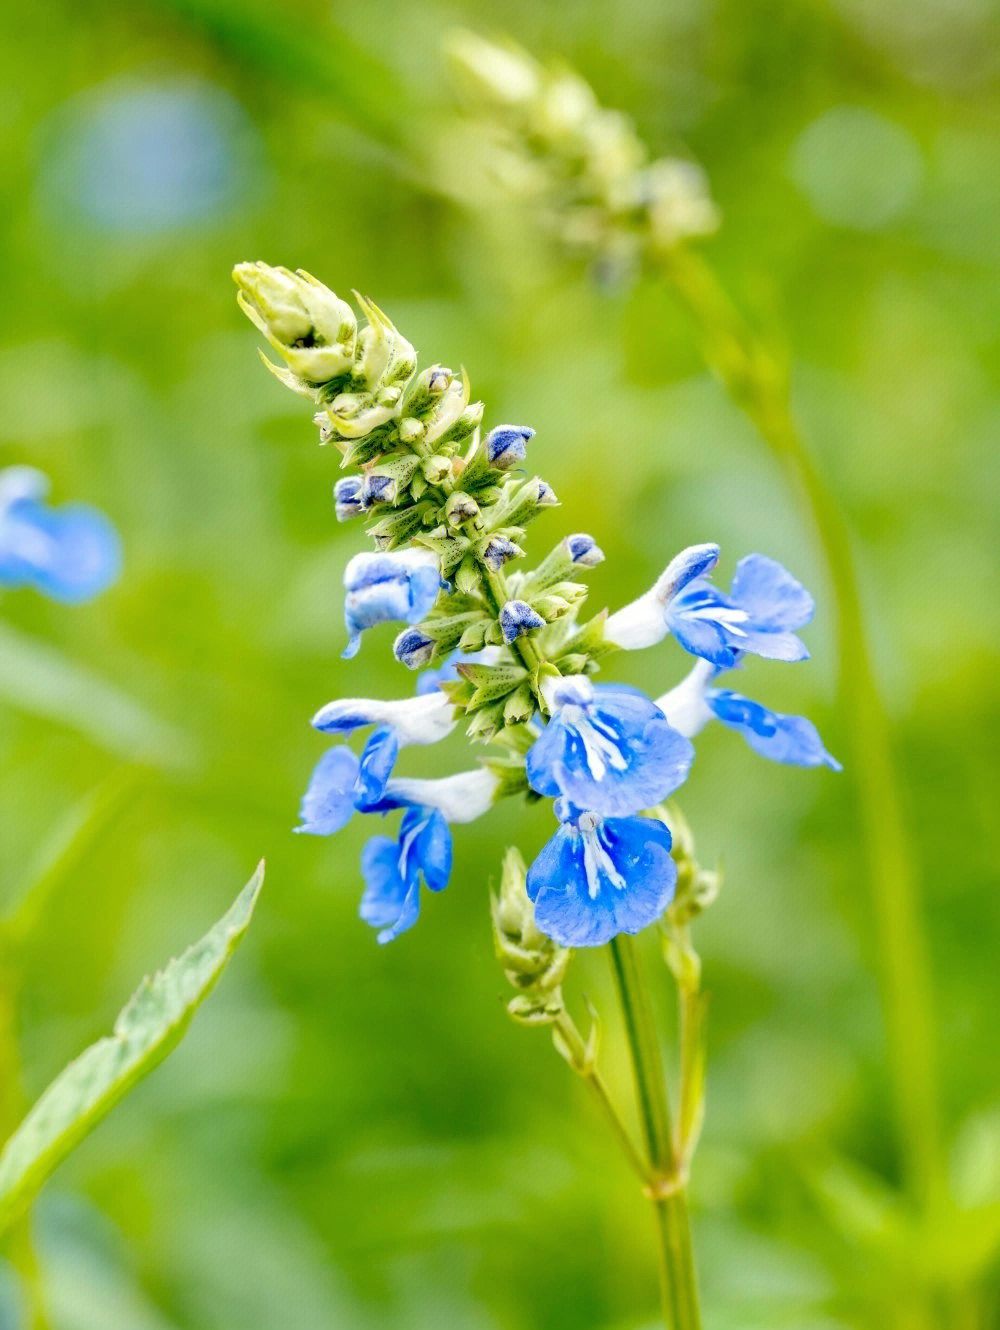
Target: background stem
678,1281
758,383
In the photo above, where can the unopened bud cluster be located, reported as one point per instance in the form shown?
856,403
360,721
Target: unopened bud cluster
549,141
532,962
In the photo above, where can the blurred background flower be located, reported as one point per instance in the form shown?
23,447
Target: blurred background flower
354,1135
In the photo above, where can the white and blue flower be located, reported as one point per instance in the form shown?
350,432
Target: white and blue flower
388,588
793,740
646,621
69,553
393,870
347,498
505,445
606,748
600,877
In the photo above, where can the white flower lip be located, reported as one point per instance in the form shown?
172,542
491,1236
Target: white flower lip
459,798
423,719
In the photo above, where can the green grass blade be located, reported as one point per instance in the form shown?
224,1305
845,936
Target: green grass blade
152,1023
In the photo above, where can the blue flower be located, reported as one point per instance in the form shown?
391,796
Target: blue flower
789,739
347,499
383,588
505,445
764,607
69,553
597,878
392,870
607,748
413,648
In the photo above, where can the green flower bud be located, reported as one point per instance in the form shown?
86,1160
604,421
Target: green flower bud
312,329
385,358
461,508
436,469
501,76
532,962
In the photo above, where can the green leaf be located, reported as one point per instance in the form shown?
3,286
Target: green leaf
152,1023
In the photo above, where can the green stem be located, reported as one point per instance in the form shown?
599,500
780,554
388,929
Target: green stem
668,1192
580,1060
759,385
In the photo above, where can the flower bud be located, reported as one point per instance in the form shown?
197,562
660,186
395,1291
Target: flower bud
385,358
311,328
347,497
501,76
413,648
498,550
461,508
531,961
504,446
517,618
436,469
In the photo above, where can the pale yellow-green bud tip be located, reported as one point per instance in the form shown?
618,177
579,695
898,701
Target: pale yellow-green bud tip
311,328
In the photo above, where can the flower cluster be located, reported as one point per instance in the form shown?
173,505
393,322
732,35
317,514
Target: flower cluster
548,141
69,553
507,652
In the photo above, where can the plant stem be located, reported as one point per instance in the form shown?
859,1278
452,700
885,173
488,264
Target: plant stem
758,383
668,1192
581,1062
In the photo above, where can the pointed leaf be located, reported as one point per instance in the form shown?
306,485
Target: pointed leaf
150,1026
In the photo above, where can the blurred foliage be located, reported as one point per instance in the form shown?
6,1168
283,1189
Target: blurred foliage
354,1136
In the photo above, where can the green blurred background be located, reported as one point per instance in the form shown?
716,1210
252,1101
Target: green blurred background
359,1137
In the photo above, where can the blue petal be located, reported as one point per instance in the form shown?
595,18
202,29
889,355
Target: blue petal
389,903
328,803
431,845
790,739
690,617
425,584
614,756
594,879
377,761
775,601
517,618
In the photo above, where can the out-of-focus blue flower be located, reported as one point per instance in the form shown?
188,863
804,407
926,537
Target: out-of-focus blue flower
597,878
607,748
517,618
70,553
386,588
347,500
392,870
790,739
505,445
764,607
138,158
645,621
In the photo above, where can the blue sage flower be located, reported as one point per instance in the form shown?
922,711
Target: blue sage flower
505,445
607,748
69,553
413,648
347,500
599,877
386,588
393,869
793,740
764,607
